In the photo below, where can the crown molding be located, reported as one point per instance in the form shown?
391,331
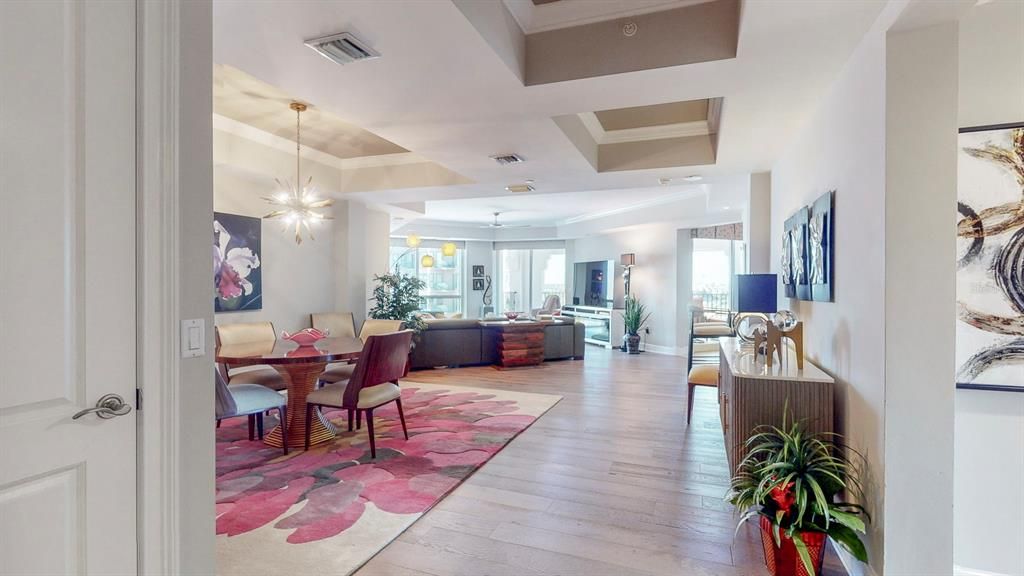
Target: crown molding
660,132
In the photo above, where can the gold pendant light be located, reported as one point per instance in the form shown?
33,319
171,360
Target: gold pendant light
298,204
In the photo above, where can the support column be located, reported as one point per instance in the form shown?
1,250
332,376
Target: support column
920,297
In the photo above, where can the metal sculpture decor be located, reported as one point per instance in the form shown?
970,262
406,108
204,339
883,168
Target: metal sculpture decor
990,258
808,253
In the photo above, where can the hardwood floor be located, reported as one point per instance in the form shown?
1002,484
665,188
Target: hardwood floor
609,482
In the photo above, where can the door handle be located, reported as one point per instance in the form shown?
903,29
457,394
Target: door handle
108,406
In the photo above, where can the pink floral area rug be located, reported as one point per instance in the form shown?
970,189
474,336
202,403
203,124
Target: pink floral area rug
329,510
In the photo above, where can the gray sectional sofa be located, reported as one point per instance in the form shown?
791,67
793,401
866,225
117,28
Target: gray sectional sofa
460,342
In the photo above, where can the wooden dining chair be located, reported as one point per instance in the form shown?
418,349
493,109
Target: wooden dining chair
250,400
383,361
249,333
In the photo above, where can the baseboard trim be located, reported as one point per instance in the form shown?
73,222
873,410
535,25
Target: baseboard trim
964,571
667,350
853,566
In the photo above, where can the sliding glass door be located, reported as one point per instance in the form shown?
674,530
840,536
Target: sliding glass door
715,262
527,277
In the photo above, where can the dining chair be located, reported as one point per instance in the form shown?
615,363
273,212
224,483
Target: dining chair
373,326
248,333
338,324
700,375
383,361
250,400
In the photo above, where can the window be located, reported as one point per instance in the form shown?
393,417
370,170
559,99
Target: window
715,262
445,280
526,277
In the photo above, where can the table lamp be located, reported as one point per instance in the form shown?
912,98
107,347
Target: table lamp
756,296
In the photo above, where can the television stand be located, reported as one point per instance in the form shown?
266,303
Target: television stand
602,326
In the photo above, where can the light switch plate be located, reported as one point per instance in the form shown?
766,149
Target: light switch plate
193,338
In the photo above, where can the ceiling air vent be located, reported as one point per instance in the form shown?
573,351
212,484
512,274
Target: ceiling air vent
505,159
342,48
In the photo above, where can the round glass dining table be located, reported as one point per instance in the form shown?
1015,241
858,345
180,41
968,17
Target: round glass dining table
300,367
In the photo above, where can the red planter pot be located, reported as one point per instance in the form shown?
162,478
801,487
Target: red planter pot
783,560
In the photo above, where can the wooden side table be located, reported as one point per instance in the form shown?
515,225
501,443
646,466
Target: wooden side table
519,343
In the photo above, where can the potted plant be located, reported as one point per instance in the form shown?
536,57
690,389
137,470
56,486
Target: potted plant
790,480
634,316
397,297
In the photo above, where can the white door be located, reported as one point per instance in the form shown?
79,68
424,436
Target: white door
67,286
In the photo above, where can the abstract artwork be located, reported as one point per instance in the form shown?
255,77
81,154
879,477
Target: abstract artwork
990,258
795,278
237,276
820,232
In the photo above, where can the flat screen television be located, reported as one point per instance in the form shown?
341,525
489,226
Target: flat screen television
594,284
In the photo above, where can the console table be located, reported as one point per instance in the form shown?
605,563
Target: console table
519,343
752,394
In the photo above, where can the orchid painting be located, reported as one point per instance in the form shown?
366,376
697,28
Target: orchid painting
237,277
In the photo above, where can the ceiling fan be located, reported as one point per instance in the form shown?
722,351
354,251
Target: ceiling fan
497,224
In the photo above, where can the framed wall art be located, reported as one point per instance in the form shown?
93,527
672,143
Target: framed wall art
990,258
237,271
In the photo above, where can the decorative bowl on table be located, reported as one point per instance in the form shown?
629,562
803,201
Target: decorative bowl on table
306,337
512,316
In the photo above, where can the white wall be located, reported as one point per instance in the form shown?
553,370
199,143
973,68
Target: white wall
297,278
989,473
653,279
883,139
842,148
757,224
478,253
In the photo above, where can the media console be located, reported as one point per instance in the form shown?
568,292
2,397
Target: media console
602,326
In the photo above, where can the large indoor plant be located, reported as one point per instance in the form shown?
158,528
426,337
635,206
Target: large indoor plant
397,297
634,316
790,480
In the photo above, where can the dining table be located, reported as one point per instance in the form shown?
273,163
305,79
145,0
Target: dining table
300,367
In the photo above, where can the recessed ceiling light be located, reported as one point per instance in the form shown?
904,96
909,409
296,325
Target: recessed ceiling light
519,188
529,180
725,207
694,178
664,181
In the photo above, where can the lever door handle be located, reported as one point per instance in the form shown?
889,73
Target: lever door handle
108,406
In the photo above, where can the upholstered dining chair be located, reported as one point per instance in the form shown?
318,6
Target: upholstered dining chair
249,333
337,324
373,326
700,375
383,361
250,400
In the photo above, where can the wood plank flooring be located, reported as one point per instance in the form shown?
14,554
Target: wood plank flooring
609,482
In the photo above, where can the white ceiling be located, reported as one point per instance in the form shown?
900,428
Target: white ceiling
441,91
546,209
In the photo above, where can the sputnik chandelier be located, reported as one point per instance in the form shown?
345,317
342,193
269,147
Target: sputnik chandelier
298,204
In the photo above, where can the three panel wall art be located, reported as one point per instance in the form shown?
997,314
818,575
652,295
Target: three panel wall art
808,251
990,258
